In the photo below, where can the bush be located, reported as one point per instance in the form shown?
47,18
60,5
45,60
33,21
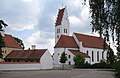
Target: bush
79,61
117,68
102,64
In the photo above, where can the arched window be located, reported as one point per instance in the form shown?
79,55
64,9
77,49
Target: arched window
92,55
98,56
64,30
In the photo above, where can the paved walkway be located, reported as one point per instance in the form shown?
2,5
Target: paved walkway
75,73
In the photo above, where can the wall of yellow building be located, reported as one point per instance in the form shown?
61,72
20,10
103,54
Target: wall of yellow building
7,50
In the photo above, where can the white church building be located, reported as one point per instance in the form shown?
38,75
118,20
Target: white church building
90,47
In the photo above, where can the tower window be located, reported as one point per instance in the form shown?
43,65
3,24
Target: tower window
57,36
64,31
58,30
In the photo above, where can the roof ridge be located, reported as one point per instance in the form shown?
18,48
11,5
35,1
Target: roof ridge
86,35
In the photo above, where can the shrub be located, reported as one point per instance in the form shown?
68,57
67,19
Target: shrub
117,68
79,61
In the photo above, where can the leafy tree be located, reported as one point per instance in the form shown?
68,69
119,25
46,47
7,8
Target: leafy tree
2,44
105,16
19,41
63,59
79,60
2,23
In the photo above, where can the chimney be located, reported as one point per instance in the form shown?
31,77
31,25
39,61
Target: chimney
33,47
2,33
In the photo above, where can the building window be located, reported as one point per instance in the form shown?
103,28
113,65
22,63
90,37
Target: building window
69,63
87,52
69,56
98,56
92,55
102,55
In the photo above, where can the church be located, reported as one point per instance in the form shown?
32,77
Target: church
90,47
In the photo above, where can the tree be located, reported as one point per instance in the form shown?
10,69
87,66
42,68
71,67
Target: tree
110,56
79,60
19,41
2,44
63,59
2,23
105,16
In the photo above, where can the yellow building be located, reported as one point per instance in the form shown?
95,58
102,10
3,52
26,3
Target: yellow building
10,44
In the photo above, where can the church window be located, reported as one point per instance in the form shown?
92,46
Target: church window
102,55
92,55
87,52
69,56
98,56
69,63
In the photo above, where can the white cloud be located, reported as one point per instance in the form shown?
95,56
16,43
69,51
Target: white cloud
21,27
33,39
85,14
40,41
75,21
27,0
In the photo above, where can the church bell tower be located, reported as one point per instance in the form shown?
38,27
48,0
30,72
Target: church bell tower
62,24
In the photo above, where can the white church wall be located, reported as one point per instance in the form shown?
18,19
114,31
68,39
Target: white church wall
58,52
70,57
95,50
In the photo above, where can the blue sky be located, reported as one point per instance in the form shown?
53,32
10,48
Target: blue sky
33,21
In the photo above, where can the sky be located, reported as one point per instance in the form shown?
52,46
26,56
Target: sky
33,21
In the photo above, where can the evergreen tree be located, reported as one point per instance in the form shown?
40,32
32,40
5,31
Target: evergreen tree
79,61
63,59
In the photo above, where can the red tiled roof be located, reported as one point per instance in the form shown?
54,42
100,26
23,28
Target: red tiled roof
90,41
26,54
66,42
75,52
60,16
10,42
